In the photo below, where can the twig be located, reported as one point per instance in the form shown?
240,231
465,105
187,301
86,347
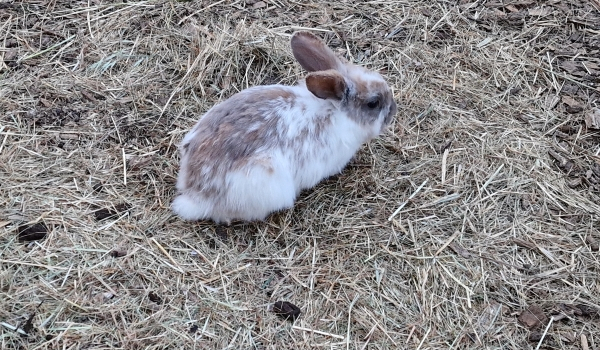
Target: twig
349,323
409,198
467,289
46,50
13,328
491,178
160,247
545,332
227,273
584,343
124,167
424,337
317,332
447,243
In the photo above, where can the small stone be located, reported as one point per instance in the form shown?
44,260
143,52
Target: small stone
594,246
118,252
104,213
98,187
535,336
155,298
573,109
286,310
35,232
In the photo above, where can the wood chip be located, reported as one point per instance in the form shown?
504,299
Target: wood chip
570,101
460,250
571,66
533,317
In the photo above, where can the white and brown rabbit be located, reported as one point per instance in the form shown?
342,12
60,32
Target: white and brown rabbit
252,154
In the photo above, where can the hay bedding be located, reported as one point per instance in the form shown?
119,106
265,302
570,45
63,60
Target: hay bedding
492,172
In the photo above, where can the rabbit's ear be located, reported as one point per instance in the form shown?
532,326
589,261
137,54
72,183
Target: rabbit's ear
312,54
326,84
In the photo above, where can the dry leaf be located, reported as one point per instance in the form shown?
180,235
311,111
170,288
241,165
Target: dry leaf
512,8
10,55
524,244
594,246
570,66
570,101
551,101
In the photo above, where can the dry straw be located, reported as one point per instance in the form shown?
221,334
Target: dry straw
481,202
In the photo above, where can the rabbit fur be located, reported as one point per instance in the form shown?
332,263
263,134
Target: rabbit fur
253,153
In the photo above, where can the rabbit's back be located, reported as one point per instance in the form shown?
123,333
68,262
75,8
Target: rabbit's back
236,161
231,134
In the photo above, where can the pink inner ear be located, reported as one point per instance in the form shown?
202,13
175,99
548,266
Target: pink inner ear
326,84
312,54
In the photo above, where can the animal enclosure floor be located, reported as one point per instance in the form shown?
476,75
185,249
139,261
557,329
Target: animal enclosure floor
473,223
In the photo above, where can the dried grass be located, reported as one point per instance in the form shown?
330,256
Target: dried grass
493,100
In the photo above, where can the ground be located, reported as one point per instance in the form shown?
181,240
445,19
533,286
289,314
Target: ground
472,223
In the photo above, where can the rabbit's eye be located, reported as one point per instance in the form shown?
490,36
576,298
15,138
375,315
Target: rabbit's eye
373,103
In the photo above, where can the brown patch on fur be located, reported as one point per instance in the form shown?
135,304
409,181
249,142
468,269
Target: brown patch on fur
366,90
316,134
322,123
271,93
266,164
312,54
362,89
230,135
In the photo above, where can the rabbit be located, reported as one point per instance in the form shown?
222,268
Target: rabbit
252,154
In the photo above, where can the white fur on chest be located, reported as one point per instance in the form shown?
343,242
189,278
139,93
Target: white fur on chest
328,149
330,158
